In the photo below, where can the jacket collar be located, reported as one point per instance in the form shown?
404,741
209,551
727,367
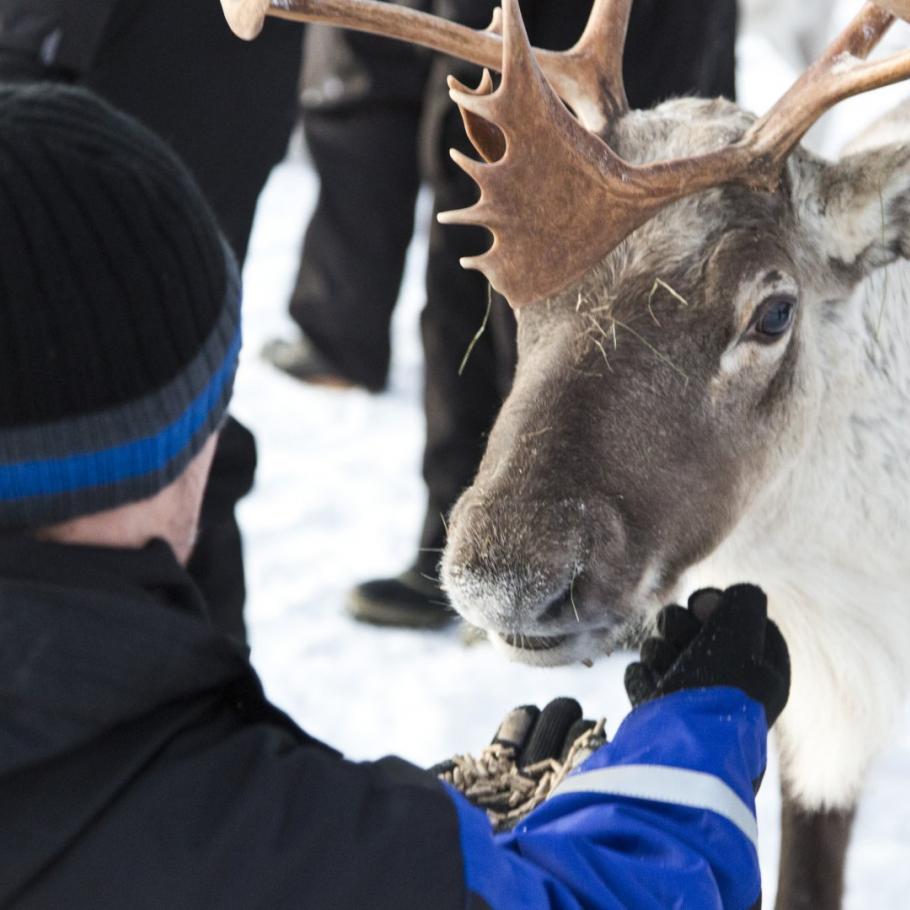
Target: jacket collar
91,637
150,573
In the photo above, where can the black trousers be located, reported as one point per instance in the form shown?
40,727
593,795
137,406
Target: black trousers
227,108
371,109
361,106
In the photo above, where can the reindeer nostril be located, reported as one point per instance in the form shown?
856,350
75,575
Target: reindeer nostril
557,609
560,607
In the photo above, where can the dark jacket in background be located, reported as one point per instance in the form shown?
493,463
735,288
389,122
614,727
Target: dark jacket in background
226,107
56,34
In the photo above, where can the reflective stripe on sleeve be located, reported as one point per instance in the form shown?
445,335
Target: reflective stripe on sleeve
660,783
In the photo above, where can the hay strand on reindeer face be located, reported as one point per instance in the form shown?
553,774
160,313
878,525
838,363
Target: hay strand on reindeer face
660,283
479,334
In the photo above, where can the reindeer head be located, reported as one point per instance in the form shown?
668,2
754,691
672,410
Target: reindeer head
669,269
673,376
659,397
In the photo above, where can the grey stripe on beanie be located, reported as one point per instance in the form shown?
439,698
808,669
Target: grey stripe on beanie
116,426
119,309
52,508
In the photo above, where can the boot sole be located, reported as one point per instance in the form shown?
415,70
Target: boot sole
378,613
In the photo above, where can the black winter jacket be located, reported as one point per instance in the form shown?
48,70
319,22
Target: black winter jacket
141,766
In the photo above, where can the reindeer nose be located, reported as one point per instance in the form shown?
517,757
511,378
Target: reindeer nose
512,564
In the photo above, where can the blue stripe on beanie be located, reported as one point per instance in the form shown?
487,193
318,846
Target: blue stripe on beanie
114,465
119,309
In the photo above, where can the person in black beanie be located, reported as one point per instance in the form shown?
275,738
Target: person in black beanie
119,312
141,764
175,66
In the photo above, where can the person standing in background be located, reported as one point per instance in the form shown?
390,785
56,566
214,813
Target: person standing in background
361,106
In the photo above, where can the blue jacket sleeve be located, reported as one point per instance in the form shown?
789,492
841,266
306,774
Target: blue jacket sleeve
662,817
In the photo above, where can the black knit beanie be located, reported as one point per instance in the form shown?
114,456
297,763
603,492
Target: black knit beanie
119,309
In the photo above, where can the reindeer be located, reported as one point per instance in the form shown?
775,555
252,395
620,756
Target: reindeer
713,381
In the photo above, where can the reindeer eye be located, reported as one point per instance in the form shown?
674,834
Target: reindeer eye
774,317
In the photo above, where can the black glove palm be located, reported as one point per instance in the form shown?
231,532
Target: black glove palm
723,639
529,755
537,735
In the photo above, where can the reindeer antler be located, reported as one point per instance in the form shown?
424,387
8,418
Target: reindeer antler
588,77
587,199
558,230
839,73
556,198
900,8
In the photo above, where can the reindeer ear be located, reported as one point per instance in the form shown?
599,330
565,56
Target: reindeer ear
859,209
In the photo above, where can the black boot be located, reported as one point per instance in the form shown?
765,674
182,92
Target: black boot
300,358
410,600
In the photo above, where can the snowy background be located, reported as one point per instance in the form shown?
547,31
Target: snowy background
339,500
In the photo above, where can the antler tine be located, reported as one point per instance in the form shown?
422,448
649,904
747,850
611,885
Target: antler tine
604,40
898,7
838,74
590,74
553,194
485,136
585,198
578,76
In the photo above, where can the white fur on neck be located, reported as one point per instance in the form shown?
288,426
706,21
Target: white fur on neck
830,545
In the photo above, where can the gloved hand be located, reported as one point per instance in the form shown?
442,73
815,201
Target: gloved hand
724,639
530,753
537,735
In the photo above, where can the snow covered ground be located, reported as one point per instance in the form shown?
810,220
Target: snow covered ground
339,500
